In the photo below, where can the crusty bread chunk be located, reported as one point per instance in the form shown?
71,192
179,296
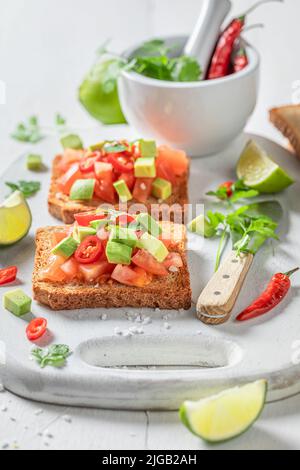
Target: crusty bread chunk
287,121
62,208
172,292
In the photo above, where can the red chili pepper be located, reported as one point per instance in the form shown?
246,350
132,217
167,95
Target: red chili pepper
36,329
276,291
228,186
87,165
240,60
121,163
220,64
124,219
89,251
8,275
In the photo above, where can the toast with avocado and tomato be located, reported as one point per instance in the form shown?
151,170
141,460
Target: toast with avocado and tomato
287,120
120,172
111,259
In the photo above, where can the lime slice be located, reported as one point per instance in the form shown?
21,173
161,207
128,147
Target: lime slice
15,219
227,415
259,172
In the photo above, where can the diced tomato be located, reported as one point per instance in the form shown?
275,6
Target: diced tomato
124,219
36,329
121,163
70,157
52,272
129,179
70,268
131,276
66,181
84,218
164,170
173,260
105,191
142,189
176,159
104,171
145,260
93,271
89,251
8,275
57,237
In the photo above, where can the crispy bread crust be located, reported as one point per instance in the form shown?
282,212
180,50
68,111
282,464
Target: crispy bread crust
285,127
62,208
171,292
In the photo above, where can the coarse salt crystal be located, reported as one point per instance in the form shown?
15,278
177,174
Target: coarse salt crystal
67,418
117,331
38,412
104,317
167,326
1,388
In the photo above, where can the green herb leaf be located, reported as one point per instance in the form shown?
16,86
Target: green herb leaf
60,121
239,191
54,356
28,188
29,131
185,69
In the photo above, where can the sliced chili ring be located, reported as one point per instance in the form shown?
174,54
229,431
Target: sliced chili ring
36,329
121,163
87,165
89,251
124,219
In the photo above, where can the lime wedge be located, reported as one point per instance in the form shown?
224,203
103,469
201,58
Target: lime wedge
226,415
258,171
15,219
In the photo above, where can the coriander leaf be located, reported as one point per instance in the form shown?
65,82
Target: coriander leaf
28,188
185,69
29,131
236,192
103,48
244,194
60,120
154,47
55,356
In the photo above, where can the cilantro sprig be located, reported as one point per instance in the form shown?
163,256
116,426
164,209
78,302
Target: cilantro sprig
249,230
234,192
28,188
54,356
28,131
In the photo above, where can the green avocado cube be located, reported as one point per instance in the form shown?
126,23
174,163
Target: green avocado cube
123,191
71,141
148,223
123,235
145,168
154,246
34,162
83,190
148,148
98,146
202,227
161,189
118,253
66,247
80,233
17,302
97,224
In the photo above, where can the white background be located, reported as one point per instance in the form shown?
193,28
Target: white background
46,47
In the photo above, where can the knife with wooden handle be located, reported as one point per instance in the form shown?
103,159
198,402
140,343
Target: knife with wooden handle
218,299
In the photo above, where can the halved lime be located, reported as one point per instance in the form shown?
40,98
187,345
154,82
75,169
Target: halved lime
226,415
15,219
259,171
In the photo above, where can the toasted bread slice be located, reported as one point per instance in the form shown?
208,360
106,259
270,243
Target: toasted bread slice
287,121
62,208
170,292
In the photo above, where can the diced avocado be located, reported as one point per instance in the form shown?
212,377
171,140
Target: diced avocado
123,235
123,191
17,302
71,141
145,168
97,224
98,146
202,227
148,223
66,247
83,190
161,189
154,246
117,253
80,233
148,148
34,162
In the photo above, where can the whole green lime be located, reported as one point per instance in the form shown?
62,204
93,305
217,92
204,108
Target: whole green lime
99,93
